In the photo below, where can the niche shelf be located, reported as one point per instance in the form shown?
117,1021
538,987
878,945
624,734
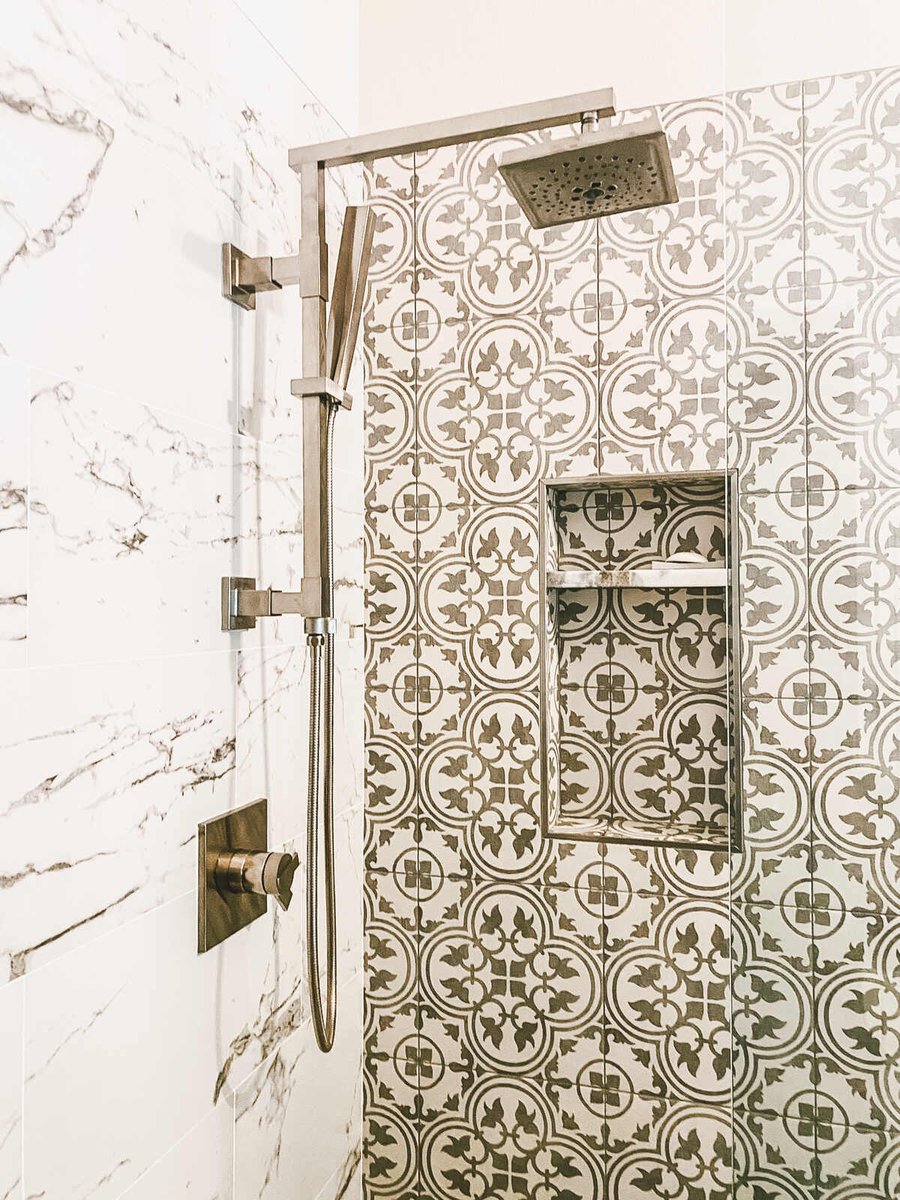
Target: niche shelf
651,577
640,712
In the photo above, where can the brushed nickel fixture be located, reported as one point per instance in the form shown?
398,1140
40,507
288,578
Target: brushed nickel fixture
236,875
243,276
327,356
601,172
327,361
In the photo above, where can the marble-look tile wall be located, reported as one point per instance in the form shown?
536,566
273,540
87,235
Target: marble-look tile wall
149,444
542,1018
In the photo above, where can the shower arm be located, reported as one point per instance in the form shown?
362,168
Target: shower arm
474,127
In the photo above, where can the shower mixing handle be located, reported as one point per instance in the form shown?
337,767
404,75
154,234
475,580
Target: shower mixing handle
278,877
262,872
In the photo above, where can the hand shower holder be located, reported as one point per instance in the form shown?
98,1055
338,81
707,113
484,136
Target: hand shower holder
323,389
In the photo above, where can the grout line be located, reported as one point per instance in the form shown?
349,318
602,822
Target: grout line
735,729
22,1123
336,1174
29,483
528,503
233,1124
192,1129
304,1028
687,896
810,847
33,973
417,626
324,107
59,375
235,648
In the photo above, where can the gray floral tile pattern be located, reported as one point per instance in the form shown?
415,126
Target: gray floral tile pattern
478,596
479,790
661,402
674,251
774,581
568,1021
855,784
509,1141
773,868
517,402
854,428
852,173
855,592
763,184
767,421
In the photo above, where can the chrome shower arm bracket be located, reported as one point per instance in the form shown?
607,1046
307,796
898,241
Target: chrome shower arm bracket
243,276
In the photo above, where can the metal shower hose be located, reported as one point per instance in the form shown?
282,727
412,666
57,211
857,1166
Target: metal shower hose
321,786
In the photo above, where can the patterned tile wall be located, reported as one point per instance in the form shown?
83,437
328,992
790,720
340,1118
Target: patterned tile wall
546,1019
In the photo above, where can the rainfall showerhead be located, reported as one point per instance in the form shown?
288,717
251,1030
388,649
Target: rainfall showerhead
597,174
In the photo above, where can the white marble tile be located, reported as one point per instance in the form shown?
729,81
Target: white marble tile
119,1072
11,1044
13,512
265,968
137,133
199,1167
297,1119
165,454
136,515
349,595
348,737
346,1183
272,761
149,1038
349,879
273,732
107,770
301,33
272,736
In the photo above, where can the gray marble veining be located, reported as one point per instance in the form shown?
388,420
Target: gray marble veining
13,512
149,443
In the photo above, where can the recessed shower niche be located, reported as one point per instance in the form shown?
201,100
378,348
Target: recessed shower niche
640,699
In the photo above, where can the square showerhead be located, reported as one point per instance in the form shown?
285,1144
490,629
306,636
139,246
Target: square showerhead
596,174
